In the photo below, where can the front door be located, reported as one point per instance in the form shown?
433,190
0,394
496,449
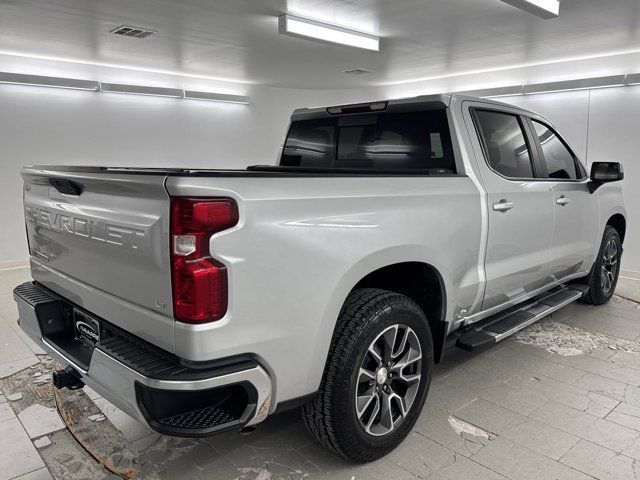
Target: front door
575,237
520,208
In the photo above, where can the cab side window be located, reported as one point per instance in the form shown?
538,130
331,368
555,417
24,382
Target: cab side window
560,162
505,143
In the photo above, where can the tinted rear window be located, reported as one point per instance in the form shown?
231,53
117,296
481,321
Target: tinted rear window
391,141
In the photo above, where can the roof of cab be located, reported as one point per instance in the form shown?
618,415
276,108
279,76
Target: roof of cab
444,98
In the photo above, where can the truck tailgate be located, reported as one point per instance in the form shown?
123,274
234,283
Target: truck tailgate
101,240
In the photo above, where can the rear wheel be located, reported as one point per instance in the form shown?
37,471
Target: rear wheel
603,277
376,379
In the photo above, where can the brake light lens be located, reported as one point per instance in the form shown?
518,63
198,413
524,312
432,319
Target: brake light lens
199,282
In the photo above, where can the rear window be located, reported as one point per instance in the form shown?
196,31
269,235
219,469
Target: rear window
390,141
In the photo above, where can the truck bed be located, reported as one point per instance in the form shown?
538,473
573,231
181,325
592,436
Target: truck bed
302,237
251,171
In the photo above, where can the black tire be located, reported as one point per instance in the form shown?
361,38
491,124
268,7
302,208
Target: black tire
600,291
331,415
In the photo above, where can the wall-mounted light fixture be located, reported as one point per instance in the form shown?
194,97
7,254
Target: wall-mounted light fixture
78,84
141,90
572,85
216,97
44,81
553,87
633,79
545,9
495,92
326,33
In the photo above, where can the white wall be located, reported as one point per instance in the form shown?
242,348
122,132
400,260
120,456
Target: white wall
602,125
614,134
46,125
41,125
569,111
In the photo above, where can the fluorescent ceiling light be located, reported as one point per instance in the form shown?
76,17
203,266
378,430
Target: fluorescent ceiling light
216,97
324,32
43,81
141,90
542,8
572,85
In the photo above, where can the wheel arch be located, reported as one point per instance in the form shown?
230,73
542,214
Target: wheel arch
369,268
421,282
619,222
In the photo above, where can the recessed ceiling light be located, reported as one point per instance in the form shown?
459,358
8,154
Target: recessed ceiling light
357,71
542,8
326,33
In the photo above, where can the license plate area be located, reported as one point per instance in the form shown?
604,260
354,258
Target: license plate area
86,329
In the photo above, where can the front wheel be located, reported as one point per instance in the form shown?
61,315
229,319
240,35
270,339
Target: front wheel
603,277
376,378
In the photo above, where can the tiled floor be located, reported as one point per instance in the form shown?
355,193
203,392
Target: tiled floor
560,401
18,455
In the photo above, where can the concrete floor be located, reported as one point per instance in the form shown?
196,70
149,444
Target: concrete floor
559,401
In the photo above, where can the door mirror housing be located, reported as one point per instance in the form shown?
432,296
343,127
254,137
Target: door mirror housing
605,172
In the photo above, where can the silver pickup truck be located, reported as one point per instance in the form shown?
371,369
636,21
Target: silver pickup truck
204,300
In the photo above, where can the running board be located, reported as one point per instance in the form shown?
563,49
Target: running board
502,325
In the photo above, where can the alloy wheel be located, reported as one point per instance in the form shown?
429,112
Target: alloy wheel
388,380
609,266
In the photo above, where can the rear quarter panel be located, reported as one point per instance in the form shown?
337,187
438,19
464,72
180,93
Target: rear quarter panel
303,243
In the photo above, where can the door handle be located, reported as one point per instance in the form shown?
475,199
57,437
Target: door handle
562,200
503,205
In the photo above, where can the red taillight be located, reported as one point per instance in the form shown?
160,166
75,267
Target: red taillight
199,282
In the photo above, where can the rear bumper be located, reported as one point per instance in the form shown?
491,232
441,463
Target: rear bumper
173,397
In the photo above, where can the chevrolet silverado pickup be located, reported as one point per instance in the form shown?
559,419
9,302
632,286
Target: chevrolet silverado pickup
199,301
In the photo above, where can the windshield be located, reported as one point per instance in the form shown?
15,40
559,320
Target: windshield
391,141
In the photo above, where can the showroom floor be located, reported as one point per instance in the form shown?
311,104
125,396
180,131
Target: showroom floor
559,401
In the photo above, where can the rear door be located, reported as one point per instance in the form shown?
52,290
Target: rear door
574,235
520,207
101,240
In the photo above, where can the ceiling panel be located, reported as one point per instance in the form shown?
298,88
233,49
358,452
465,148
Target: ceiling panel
238,39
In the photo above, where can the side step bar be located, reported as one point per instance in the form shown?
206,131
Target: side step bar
503,325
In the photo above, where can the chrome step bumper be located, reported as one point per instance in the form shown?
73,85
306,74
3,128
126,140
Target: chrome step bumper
122,374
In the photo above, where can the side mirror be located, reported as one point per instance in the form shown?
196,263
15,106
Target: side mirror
604,172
